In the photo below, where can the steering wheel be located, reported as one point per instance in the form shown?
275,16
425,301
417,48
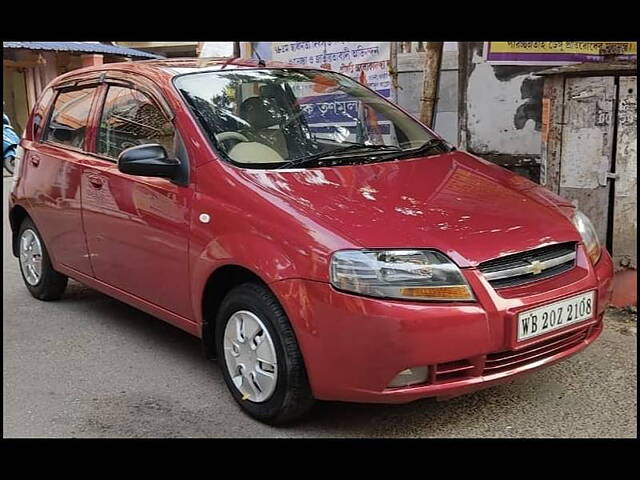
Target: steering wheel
226,136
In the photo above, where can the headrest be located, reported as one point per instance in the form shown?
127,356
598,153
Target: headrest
260,112
254,152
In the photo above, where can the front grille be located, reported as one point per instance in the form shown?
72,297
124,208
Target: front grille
520,268
502,361
451,371
507,360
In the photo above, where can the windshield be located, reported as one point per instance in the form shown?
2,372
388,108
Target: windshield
275,118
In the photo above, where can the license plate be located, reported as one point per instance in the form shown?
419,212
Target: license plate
555,315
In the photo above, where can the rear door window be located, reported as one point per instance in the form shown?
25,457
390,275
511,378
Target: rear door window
130,118
70,118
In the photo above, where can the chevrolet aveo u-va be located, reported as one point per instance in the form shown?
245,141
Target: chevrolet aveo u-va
321,242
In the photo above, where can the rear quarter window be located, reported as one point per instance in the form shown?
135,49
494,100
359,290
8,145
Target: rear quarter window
40,113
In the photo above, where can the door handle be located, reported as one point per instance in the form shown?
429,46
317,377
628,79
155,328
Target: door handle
95,181
35,160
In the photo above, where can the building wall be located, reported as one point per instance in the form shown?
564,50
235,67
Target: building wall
167,49
14,96
500,111
410,82
625,221
27,72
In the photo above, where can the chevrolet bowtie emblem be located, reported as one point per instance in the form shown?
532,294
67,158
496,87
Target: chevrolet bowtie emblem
536,267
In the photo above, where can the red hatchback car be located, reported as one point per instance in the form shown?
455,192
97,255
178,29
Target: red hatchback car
320,241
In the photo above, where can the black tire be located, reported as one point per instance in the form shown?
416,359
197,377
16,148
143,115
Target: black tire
51,284
292,397
10,164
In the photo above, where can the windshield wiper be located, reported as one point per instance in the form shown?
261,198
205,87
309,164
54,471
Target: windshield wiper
338,151
428,146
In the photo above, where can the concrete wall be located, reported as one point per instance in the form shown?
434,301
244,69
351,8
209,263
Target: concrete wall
625,218
410,81
500,111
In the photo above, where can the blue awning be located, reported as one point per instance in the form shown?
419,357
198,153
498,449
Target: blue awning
80,47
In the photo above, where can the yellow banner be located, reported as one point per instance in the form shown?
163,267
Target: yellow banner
584,48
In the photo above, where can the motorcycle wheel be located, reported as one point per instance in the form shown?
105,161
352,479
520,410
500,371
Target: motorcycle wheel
10,164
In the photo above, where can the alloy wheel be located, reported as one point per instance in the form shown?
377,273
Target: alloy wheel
31,257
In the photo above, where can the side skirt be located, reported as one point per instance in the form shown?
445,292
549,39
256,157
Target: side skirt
176,320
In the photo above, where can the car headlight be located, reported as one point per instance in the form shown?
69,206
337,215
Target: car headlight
589,235
407,274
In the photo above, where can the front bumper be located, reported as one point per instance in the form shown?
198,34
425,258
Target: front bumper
354,346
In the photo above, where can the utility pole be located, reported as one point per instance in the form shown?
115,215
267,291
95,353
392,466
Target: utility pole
393,70
431,70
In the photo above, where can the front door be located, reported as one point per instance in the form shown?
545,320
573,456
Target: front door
137,228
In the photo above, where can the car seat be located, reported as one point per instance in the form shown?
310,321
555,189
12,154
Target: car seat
263,114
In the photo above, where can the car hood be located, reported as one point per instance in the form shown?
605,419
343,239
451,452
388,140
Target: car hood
464,206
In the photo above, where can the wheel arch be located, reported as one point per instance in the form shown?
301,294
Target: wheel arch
16,216
220,282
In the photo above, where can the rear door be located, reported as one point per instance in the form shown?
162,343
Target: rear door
137,228
53,171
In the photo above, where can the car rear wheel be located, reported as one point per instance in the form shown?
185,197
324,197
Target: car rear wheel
259,356
42,281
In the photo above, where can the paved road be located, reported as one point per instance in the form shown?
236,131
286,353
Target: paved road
90,366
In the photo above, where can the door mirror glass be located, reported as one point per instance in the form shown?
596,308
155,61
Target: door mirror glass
148,161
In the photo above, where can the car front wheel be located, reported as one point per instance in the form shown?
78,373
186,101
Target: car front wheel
259,356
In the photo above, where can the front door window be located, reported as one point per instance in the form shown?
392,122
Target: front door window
130,118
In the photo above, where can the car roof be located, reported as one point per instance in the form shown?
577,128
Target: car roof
178,66
165,69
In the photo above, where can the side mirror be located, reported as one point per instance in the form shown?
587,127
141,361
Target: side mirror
148,161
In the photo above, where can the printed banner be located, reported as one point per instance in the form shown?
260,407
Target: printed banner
349,58
341,116
555,53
